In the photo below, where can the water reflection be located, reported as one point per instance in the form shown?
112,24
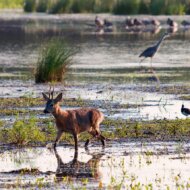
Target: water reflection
78,169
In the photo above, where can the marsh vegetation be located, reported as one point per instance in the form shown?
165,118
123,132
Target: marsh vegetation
53,62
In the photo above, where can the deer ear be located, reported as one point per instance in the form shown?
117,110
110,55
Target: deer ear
45,97
58,98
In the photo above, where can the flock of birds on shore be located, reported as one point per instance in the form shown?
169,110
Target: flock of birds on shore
145,25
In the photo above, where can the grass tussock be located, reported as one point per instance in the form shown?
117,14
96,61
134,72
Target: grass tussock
53,62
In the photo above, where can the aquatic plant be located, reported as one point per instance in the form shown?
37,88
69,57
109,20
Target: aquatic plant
53,61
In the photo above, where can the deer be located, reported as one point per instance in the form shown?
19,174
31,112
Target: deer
74,121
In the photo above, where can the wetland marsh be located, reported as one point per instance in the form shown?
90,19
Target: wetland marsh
147,136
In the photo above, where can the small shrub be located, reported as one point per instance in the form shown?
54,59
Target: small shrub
53,62
24,132
42,6
29,5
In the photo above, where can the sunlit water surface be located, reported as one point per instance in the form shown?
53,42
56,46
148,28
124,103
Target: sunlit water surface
157,164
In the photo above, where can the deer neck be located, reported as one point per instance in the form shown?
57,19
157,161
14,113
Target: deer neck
57,111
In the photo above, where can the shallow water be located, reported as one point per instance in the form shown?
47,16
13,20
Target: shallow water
160,164
102,64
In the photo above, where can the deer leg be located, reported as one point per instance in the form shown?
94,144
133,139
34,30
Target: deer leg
76,142
86,143
100,137
59,133
88,140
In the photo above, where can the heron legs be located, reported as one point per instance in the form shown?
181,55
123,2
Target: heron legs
141,62
151,63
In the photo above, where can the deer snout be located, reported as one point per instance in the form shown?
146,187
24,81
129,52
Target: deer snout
45,111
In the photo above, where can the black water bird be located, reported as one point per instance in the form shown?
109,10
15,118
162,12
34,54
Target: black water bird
107,23
185,111
99,22
138,22
172,23
129,22
151,51
185,23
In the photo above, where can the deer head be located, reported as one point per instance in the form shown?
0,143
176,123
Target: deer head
51,103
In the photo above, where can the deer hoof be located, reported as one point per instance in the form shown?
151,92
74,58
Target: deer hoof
54,145
103,143
87,142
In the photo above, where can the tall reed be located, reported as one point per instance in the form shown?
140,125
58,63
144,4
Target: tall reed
53,62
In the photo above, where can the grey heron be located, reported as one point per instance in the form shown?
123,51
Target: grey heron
151,51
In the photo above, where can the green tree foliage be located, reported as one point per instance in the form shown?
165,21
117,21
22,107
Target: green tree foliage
11,4
155,7
126,7
42,6
29,5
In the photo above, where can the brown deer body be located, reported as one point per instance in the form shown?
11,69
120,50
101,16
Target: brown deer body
74,121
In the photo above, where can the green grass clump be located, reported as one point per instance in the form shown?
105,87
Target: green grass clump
22,132
53,62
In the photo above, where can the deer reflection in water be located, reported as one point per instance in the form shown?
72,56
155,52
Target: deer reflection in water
78,169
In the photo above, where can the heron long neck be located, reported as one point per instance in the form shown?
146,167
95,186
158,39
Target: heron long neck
160,41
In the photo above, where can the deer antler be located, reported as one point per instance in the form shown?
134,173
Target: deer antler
49,92
52,92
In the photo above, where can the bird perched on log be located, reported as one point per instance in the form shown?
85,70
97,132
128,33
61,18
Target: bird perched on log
185,111
151,51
